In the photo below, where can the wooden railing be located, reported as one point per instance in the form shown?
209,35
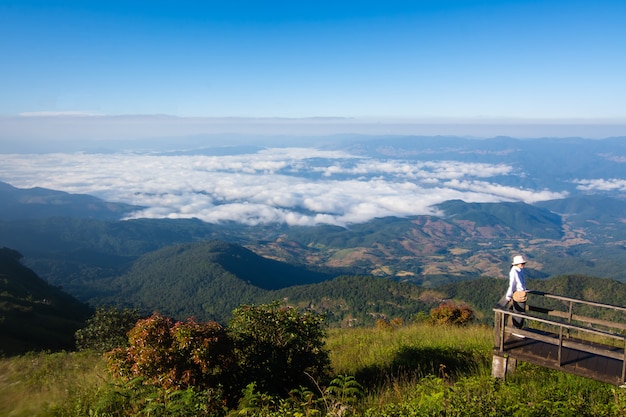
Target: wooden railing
559,327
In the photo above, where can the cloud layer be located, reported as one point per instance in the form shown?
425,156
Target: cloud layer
296,186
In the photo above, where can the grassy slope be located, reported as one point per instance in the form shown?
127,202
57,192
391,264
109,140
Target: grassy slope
410,370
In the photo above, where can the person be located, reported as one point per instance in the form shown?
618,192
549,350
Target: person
516,292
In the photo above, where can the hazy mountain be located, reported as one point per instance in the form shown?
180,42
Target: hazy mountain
37,203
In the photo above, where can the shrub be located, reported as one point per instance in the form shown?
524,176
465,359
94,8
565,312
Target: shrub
278,348
451,313
275,347
175,355
106,329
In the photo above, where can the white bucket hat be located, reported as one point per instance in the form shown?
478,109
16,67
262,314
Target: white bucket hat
519,259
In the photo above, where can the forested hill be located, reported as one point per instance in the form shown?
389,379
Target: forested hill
206,280
525,219
33,314
193,280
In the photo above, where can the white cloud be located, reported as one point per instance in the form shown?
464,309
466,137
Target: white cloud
504,193
613,184
297,186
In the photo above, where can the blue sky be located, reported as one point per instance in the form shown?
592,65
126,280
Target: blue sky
297,59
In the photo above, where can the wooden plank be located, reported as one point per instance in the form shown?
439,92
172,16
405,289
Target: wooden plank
600,351
550,338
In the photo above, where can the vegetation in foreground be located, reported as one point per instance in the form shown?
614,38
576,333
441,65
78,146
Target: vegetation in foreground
393,369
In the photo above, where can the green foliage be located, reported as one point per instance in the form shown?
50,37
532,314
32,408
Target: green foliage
278,347
338,399
135,398
106,329
357,300
344,389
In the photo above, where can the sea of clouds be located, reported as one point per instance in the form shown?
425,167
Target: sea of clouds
296,186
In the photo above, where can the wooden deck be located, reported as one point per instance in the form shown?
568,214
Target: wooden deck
553,348
574,361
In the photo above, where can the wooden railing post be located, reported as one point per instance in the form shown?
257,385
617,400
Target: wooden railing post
560,351
624,365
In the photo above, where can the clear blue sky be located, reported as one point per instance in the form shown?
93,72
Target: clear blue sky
300,58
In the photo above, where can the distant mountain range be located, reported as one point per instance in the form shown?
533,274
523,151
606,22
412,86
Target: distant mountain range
38,203
208,269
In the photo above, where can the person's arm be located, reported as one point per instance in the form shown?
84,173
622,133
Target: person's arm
509,291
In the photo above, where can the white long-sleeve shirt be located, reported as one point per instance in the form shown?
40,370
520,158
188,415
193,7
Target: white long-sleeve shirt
517,281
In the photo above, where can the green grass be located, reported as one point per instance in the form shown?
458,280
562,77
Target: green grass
37,384
417,350
411,370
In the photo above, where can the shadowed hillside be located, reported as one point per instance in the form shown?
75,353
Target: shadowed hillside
34,315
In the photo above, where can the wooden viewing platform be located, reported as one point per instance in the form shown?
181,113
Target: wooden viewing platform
562,340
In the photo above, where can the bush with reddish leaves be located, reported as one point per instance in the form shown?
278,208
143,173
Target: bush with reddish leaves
273,346
175,355
452,313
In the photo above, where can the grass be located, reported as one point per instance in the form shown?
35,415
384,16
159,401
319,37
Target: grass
390,362
36,384
409,370
419,349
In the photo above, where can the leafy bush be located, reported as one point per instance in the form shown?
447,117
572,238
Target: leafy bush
275,347
450,313
106,329
175,355
278,347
